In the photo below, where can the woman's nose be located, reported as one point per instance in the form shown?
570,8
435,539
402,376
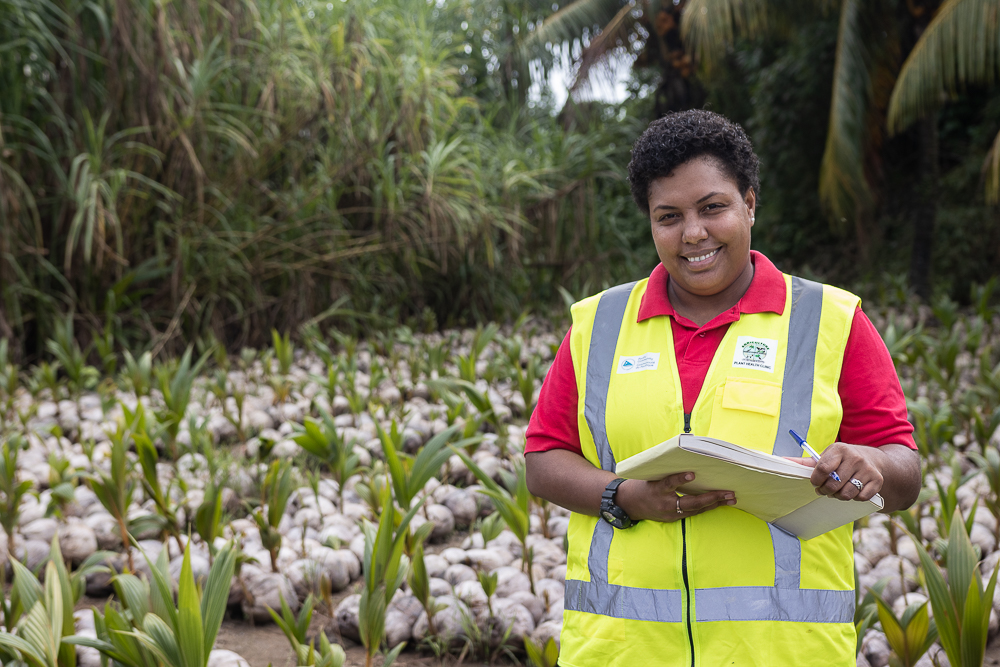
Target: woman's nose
694,231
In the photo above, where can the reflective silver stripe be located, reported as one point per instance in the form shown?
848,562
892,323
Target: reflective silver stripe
800,364
601,363
600,547
787,558
637,604
764,603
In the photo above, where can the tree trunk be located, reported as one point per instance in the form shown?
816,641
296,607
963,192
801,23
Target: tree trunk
926,210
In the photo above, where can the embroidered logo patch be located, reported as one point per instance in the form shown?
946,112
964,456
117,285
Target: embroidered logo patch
755,353
643,362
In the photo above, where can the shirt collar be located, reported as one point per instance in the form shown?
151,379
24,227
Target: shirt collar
766,293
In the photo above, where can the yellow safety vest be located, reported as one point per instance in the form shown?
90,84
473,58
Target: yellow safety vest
723,587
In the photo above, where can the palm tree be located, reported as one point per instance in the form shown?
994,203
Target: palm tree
960,46
648,30
873,35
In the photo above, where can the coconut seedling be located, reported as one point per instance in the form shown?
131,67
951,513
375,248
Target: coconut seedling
960,603
11,488
323,440
138,373
513,505
175,383
275,491
62,485
295,628
909,636
371,489
148,458
45,376
116,487
73,360
542,656
208,517
989,464
480,400
39,636
9,380
948,503
409,474
384,572
522,377
179,634
222,389
419,582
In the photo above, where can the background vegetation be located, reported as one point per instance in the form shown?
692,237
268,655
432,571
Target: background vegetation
190,170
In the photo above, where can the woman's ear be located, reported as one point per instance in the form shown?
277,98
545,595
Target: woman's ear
751,202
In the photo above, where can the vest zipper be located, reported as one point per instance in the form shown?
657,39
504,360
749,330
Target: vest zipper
687,587
687,422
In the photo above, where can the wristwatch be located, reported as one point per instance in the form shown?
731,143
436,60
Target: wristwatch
610,512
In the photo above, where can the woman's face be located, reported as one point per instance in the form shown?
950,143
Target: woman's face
701,226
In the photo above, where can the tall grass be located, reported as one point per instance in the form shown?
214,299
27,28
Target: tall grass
170,171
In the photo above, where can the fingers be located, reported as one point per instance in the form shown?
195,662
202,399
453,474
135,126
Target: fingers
673,482
848,462
807,461
659,501
692,505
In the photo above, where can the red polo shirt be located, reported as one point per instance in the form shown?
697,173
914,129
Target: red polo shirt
873,401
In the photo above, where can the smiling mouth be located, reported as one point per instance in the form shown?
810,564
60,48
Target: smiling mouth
701,258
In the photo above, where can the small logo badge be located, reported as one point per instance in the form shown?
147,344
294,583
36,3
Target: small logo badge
643,362
755,353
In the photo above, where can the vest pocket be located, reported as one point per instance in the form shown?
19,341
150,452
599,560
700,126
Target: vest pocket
745,411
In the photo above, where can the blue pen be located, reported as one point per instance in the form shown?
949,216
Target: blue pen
812,452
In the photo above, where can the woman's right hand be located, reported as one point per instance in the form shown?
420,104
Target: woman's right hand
659,501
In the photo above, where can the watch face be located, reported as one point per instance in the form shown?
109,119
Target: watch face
609,517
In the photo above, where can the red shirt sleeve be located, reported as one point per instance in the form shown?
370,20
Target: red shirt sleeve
553,424
874,405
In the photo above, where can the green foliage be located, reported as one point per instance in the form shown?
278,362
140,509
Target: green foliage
176,382
116,487
419,582
322,440
179,634
384,572
294,628
960,603
40,632
408,473
208,516
275,492
64,347
287,146
138,375
909,637
488,580
542,656
11,489
514,505
284,351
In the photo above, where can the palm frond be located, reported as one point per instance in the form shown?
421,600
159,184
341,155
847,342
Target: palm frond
991,172
568,24
960,46
710,26
613,35
843,186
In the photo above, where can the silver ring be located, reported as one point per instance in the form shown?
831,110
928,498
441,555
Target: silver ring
857,482
679,510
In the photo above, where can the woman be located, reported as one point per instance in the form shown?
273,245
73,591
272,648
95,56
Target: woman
716,342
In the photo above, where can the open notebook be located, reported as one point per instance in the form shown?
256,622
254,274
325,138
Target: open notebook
769,487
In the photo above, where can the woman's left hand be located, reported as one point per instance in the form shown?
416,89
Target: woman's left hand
852,463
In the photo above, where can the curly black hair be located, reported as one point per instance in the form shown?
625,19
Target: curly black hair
671,141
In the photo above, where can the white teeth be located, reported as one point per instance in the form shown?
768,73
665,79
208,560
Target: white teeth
698,259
